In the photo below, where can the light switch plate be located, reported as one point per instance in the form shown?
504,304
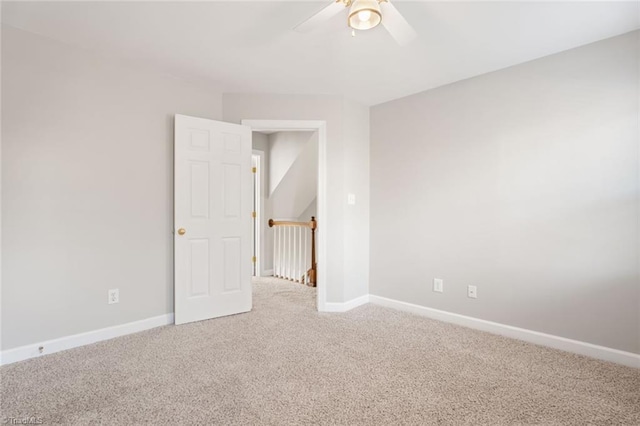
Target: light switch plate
438,285
472,291
351,199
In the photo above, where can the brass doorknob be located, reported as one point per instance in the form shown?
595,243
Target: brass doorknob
181,231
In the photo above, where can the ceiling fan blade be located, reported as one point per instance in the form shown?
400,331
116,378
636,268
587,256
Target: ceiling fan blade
394,22
324,15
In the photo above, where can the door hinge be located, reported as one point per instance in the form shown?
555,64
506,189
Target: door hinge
253,215
254,169
253,259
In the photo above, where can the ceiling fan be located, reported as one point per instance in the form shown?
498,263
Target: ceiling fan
364,15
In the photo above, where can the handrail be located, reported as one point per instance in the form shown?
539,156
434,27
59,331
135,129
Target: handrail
313,223
284,266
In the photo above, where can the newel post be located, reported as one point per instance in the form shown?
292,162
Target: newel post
313,271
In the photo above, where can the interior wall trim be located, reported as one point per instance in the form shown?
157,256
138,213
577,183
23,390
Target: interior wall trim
22,353
568,345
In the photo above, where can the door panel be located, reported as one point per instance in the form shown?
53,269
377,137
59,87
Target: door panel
200,199
231,189
232,264
199,267
213,204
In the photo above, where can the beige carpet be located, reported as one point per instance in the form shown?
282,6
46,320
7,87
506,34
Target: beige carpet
285,364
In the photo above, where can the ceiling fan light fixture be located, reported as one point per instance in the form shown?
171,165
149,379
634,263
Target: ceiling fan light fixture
364,14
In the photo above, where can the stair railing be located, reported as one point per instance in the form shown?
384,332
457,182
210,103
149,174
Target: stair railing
294,250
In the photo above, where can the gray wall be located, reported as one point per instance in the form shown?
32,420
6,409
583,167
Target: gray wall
284,149
523,182
356,182
87,187
260,141
310,211
296,156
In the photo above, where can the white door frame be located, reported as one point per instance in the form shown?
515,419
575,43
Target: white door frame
259,212
321,232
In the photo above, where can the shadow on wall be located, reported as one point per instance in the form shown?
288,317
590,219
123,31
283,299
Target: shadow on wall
293,162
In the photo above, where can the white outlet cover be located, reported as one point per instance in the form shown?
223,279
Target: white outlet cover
114,296
438,285
351,199
472,291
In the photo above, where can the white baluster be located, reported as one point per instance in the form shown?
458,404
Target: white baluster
300,231
296,254
292,230
284,252
293,253
280,242
291,250
275,251
300,253
280,249
289,269
288,252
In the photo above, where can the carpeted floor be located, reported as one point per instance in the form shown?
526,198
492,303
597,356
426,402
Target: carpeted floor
286,364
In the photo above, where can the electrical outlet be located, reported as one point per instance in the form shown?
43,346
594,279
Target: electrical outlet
472,291
438,285
114,296
351,199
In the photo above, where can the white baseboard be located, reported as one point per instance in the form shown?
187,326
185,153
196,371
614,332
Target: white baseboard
582,348
56,345
346,306
556,342
268,273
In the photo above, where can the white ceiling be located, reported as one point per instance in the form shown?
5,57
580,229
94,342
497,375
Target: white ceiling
248,47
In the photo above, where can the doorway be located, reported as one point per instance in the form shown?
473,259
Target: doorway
319,129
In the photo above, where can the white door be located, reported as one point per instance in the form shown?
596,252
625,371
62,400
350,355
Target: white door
213,206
